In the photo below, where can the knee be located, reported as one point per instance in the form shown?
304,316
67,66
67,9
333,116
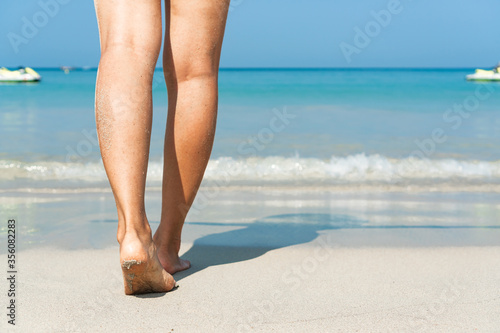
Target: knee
141,52
189,70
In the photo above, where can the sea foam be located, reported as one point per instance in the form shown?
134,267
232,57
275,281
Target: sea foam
359,168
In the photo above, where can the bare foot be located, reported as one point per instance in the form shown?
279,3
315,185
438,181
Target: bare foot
169,257
142,271
171,261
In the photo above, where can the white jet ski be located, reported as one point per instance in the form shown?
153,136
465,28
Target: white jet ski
485,75
23,74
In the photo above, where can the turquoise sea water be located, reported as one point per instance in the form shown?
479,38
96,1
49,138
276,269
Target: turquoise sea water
300,126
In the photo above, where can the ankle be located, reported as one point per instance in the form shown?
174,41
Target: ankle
167,244
141,231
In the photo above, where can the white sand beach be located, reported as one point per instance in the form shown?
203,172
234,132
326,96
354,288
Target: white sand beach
303,288
284,261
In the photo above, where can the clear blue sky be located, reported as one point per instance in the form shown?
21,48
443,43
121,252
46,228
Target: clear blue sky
283,33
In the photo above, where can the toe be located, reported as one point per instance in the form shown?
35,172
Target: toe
169,281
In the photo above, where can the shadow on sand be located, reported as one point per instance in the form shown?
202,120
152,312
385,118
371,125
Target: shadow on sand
255,239
252,240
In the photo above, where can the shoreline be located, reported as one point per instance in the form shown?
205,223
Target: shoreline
454,187
87,218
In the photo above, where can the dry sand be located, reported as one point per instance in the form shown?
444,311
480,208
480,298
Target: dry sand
313,287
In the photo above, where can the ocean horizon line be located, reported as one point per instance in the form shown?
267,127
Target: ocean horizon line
90,68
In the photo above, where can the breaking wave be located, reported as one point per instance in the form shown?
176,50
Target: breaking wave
358,168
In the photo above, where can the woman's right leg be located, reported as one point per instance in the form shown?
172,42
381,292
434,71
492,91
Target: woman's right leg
130,33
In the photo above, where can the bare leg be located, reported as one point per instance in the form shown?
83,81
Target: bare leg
193,41
130,33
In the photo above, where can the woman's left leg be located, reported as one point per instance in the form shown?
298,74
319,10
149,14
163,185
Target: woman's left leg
193,41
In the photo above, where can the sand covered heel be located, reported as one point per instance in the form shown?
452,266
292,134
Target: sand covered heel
129,263
133,272
141,269
144,276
